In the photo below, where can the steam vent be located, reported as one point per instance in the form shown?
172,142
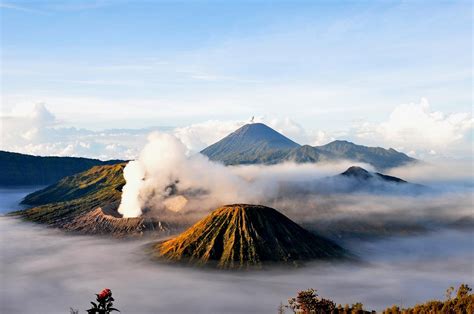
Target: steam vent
242,236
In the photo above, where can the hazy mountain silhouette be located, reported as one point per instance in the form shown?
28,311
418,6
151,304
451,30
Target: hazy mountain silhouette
354,180
21,169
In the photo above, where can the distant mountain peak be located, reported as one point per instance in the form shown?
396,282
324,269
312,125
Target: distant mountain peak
357,172
362,174
341,142
242,236
261,132
248,144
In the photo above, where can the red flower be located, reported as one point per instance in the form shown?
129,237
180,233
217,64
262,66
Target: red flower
104,294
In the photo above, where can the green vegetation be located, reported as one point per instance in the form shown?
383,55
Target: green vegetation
99,186
309,302
99,178
461,303
20,169
247,236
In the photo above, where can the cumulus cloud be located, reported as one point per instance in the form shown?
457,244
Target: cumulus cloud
40,132
418,129
200,135
26,127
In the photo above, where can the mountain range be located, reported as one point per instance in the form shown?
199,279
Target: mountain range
257,143
22,170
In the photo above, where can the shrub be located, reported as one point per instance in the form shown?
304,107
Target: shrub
104,303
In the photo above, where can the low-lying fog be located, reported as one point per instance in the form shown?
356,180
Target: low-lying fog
46,271
10,198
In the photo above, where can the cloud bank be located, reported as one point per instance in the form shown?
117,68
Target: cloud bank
413,128
419,130
40,132
66,271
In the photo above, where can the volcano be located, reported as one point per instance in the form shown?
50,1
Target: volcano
103,222
242,236
87,203
252,143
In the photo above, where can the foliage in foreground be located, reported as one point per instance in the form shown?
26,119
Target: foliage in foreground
104,303
309,302
461,303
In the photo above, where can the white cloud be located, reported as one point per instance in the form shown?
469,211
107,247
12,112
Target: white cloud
320,138
415,129
29,126
39,132
418,129
199,135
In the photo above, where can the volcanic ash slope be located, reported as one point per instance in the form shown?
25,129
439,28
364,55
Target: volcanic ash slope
244,236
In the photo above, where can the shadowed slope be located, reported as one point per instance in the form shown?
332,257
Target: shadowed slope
21,169
244,236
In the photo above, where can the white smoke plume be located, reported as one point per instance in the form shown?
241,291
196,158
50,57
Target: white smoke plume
163,168
130,205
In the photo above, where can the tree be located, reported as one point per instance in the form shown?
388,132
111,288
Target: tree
308,302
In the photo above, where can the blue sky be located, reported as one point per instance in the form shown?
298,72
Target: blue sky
329,67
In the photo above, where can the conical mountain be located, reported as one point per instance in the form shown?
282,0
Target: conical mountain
252,143
247,236
357,172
